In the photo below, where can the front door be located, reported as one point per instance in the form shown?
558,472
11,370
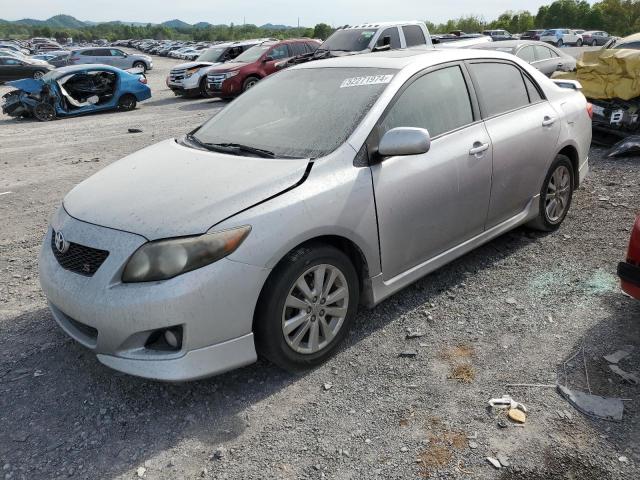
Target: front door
432,202
524,130
273,56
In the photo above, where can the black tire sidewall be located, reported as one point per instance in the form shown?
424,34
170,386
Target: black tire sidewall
270,339
544,220
127,108
245,84
141,65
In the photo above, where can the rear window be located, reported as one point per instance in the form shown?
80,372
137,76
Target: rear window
413,35
501,87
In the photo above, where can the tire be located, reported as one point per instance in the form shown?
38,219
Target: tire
559,43
44,112
141,65
127,102
561,172
594,43
250,82
202,89
579,43
288,349
38,74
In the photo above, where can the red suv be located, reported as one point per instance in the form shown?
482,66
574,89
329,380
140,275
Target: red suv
232,78
629,271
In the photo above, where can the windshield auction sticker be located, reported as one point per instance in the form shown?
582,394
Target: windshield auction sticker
361,81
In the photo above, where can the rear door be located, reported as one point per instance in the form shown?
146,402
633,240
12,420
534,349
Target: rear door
524,131
10,69
102,56
429,203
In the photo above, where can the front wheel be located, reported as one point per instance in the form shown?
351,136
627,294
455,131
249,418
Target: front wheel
560,43
140,65
250,83
579,43
38,74
306,307
127,102
203,88
555,196
44,112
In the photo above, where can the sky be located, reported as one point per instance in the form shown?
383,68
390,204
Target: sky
333,12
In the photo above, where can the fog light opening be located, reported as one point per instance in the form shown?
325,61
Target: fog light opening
166,339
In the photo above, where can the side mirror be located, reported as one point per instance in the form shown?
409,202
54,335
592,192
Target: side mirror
268,58
404,141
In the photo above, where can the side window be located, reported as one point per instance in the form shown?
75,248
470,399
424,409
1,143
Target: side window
88,53
527,54
117,53
438,101
413,35
102,52
279,52
12,61
532,90
297,49
493,81
542,52
552,54
311,47
394,36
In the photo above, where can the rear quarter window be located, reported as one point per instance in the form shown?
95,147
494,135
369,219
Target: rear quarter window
413,35
500,87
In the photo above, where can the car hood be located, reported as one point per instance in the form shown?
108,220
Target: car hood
29,85
230,67
169,190
195,64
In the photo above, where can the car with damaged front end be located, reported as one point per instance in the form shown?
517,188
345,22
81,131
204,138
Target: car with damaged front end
326,186
75,90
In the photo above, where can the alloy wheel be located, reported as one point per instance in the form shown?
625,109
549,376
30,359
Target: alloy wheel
315,309
558,194
38,74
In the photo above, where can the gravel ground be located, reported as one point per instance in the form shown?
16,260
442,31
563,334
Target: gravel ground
513,311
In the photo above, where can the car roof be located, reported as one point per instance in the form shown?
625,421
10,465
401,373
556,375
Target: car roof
419,57
380,24
79,68
631,38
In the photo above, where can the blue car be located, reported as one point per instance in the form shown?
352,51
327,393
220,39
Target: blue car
76,90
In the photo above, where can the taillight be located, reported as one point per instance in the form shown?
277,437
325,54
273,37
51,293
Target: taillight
590,110
142,80
633,255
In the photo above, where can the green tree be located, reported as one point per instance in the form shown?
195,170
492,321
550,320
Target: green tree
322,30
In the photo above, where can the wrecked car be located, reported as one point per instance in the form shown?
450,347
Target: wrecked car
327,185
629,270
75,90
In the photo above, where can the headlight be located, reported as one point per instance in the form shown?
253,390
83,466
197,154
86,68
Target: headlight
191,71
231,74
164,259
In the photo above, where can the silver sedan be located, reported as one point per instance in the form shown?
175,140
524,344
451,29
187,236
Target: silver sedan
327,186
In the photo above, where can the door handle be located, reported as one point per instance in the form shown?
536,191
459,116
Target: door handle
548,121
478,147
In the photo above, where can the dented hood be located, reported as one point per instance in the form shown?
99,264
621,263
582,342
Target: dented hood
169,190
194,64
29,85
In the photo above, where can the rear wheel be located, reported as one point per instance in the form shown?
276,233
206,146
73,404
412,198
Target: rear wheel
594,43
555,196
306,307
250,83
140,65
127,102
44,112
560,43
38,74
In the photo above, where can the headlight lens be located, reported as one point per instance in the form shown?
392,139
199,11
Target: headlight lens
232,74
191,71
164,259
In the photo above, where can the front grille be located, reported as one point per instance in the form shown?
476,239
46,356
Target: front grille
78,258
215,81
177,75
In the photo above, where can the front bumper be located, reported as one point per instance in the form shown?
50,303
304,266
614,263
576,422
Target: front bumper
630,278
214,306
228,88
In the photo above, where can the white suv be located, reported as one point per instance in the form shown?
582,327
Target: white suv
561,36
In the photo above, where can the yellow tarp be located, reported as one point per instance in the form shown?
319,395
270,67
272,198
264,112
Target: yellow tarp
607,74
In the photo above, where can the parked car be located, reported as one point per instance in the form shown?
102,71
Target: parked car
629,270
595,38
561,36
531,34
12,68
544,57
245,71
190,79
498,35
264,229
631,42
76,90
110,56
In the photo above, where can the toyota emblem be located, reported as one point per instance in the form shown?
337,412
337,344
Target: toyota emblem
61,244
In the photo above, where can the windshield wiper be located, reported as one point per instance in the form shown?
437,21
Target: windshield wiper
232,147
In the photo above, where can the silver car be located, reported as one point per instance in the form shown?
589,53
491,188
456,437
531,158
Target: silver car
327,186
110,56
